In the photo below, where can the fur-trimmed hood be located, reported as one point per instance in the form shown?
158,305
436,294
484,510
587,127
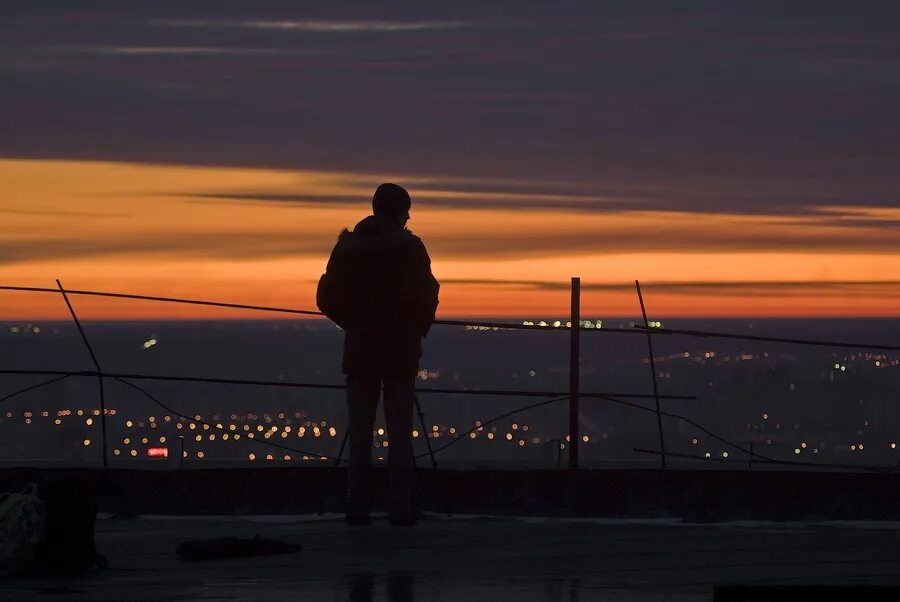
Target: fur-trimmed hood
375,233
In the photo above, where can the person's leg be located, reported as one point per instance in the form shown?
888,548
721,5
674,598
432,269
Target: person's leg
399,397
362,401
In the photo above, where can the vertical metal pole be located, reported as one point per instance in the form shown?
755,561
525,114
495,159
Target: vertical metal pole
96,366
574,369
662,441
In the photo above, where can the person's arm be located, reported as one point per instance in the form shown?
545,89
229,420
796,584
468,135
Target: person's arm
331,294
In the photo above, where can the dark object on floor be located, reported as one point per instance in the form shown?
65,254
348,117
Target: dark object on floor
805,593
23,525
233,547
71,507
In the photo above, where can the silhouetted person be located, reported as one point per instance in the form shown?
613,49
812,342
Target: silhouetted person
379,289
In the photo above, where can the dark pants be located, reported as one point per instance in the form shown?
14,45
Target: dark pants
362,401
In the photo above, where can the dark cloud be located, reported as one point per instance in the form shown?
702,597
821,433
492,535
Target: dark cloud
61,213
757,107
838,288
483,202
486,244
511,245
233,246
496,198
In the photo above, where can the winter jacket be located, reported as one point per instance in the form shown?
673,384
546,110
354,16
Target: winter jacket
379,289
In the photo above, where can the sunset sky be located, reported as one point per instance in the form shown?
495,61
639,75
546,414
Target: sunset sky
739,158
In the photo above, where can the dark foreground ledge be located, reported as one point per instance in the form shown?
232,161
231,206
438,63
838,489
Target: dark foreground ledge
695,496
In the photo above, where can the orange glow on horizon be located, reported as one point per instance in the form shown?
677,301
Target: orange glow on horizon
160,230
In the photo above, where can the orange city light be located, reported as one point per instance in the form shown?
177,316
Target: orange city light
158,452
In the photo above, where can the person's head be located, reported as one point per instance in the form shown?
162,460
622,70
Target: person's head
392,201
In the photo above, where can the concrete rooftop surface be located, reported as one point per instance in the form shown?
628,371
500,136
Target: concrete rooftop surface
479,558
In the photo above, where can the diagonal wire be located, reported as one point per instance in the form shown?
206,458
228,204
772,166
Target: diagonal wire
33,387
878,469
216,427
499,325
764,459
747,337
464,436
692,423
278,383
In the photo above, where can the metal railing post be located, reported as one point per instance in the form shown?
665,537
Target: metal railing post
662,440
574,370
96,366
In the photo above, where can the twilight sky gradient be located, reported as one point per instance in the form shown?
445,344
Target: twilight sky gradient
739,158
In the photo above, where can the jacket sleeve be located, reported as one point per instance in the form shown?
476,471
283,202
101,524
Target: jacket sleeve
427,294
332,293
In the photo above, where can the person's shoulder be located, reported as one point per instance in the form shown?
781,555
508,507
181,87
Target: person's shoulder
412,238
344,239
414,241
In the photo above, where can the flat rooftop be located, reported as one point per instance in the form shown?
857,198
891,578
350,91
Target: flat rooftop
467,557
